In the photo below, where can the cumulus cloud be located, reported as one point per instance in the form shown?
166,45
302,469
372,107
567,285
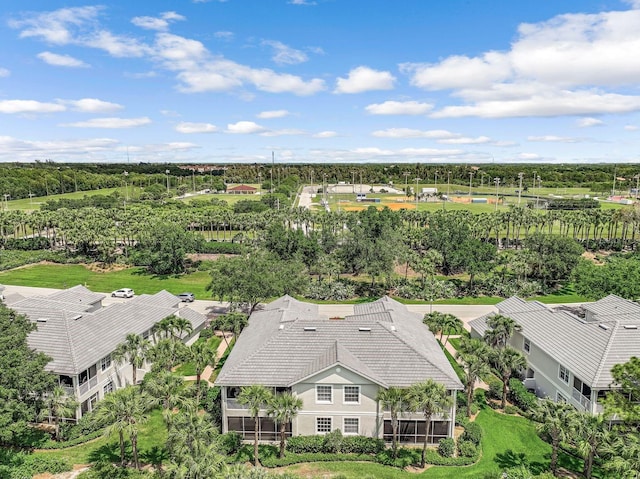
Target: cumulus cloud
28,150
399,108
61,60
588,122
110,123
412,133
92,105
29,106
157,23
273,114
363,79
554,139
284,54
188,127
245,127
549,70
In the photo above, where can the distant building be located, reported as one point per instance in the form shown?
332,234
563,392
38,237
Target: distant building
242,190
429,191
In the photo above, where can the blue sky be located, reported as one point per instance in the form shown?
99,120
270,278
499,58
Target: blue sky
348,81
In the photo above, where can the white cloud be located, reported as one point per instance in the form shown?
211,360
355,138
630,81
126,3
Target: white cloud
464,140
631,127
56,27
302,2
29,106
588,122
363,79
141,75
110,123
245,127
61,60
411,133
225,35
29,150
284,132
284,54
325,134
273,114
399,108
92,105
554,139
157,23
528,156
181,145
4,72
188,127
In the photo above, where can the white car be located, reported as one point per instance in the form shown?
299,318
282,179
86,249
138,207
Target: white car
123,293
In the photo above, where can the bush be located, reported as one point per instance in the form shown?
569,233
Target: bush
446,447
436,459
334,290
480,396
207,334
24,466
332,443
520,396
219,247
510,409
230,443
305,444
495,387
328,443
474,409
472,432
467,449
362,445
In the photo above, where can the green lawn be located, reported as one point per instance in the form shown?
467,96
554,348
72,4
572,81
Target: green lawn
188,369
35,202
65,276
151,440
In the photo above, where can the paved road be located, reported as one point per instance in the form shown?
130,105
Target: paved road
465,313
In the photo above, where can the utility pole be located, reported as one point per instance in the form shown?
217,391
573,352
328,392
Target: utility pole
520,176
273,165
539,186
417,179
126,190
470,182
497,182
166,172
193,177
406,182
353,180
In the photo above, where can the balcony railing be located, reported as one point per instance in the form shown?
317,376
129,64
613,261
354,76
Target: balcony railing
87,385
584,401
69,390
234,404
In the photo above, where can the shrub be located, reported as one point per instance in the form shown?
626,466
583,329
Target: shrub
461,418
480,396
332,442
362,445
472,432
467,449
446,447
474,408
305,444
230,443
495,387
436,459
520,396
510,409
207,334
219,247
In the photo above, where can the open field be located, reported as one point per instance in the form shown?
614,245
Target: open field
35,202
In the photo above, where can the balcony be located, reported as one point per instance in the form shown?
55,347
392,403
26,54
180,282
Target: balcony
234,404
87,385
583,401
529,384
69,390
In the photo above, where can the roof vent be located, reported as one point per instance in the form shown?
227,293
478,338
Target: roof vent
393,328
603,326
281,327
77,317
630,326
364,329
309,328
41,320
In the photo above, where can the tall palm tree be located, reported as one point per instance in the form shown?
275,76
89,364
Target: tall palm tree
553,420
394,400
623,455
134,350
589,433
505,361
59,405
123,411
450,323
474,356
255,398
429,398
501,330
283,408
202,355
165,388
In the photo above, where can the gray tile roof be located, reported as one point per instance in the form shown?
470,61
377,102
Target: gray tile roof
75,340
78,294
589,349
282,347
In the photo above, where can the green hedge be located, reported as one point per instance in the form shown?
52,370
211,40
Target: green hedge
289,459
520,396
332,443
72,442
220,247
23,466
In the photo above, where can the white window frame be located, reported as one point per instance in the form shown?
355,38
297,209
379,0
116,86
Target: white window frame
561,397
344,394
105,363
108,388
324,401
344,426
563,374
526,345
325,419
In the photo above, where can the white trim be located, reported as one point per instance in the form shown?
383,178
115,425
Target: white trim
330,424
344,394
338,413
526,342
324,401
562,368
344,427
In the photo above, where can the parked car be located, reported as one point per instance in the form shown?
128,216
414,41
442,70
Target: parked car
186,297
123,293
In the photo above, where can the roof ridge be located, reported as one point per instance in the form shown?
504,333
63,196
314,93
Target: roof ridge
605,353
72,347
428,359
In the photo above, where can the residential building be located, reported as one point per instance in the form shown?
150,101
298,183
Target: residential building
570,350
336,366
80,336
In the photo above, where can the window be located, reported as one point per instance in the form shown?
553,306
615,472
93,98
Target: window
107,388
527,346
324,394
105,363
146,334
352,394
323,425
351,425
561,397
563,374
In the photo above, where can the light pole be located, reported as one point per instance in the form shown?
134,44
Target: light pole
166,172
482,179
126,190
435,181
324,188
353,181
470,182
497,182
31,195
520,176
259,183
417,179
406,182
538,192
193,178
6,202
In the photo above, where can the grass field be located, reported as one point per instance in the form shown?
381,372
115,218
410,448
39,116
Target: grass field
35,202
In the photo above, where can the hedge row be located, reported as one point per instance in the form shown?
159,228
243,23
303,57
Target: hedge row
50,444
334,443
520,396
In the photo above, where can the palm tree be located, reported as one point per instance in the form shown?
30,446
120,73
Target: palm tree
502,328
623,455
474,356
430,398
134,350
59,405
505,361
283,408
394,400
165,388
254,397
553,420
123,411
589,433
435,322
450,323
202,355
